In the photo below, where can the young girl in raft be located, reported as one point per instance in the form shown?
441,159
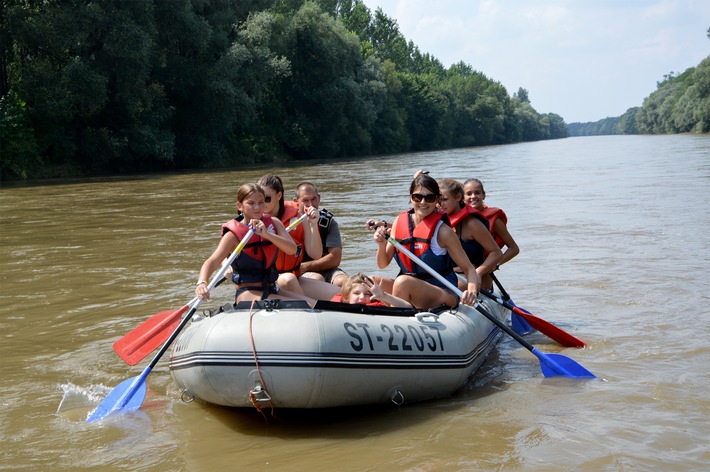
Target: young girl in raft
474,195
306,236
254,268
362,289
470,227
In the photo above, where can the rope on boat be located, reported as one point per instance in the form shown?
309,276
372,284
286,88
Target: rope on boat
259,390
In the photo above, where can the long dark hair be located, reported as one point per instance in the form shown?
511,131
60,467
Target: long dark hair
469,181
274,183
423,180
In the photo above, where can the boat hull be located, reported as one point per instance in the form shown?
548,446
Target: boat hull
320,358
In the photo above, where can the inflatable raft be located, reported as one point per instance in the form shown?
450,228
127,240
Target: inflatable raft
284,354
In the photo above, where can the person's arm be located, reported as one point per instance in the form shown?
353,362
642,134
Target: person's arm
312,243
226,245
480,233
328,261
378,293
385,251
333,255
512,249
447,239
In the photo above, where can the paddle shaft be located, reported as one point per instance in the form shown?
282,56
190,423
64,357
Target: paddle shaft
104,410
456,290
506,297
551,364
216,280
213,283
140,341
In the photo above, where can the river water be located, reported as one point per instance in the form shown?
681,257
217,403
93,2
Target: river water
614,249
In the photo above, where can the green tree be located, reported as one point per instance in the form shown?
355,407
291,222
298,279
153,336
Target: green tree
331,99
18,147
522,94
84,70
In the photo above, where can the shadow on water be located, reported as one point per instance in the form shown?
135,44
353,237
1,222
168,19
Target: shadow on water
267,167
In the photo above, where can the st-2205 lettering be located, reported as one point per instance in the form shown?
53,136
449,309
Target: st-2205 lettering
394,337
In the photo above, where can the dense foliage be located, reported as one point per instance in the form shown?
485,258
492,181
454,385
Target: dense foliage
100,86
680,104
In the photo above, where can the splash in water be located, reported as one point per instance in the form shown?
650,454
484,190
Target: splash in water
77,401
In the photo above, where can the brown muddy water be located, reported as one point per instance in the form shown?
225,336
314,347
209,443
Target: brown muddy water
614,249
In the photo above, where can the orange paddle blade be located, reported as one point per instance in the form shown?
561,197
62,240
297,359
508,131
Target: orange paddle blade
147,336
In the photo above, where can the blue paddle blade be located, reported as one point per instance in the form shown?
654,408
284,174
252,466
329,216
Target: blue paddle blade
554,365
520,326
127,396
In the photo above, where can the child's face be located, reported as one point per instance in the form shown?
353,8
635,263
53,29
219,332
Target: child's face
360,294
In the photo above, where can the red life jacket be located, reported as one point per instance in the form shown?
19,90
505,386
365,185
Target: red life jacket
462,213
257,261
286,262
418,241
492,214
472,248
339,298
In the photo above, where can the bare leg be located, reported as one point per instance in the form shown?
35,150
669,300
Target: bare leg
318,289
340,279
386,283
487,282
312,275
288,281
421,294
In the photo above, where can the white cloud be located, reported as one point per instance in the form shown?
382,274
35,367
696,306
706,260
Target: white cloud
583,60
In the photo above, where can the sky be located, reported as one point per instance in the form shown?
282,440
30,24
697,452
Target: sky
582,59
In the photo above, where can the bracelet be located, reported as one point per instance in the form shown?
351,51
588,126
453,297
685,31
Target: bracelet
200,282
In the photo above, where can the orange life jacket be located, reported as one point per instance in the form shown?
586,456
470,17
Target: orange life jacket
287,262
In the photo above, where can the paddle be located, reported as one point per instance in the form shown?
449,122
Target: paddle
129,394
545,327
135,345
552,364
519,324
147,336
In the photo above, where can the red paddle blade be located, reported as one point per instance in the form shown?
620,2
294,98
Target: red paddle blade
550,330
147,336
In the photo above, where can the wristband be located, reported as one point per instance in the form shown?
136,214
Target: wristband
200,282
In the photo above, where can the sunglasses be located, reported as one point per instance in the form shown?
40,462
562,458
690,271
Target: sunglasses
267,199
418,197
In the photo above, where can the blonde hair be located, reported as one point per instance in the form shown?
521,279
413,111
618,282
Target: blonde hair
356,279
454,187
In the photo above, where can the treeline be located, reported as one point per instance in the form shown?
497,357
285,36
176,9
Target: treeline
680,104
97,87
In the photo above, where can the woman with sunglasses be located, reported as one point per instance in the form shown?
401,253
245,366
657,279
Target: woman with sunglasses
305,235
254,269
474,194
425,233
470,226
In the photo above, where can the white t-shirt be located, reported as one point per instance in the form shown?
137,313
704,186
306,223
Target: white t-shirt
435,248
